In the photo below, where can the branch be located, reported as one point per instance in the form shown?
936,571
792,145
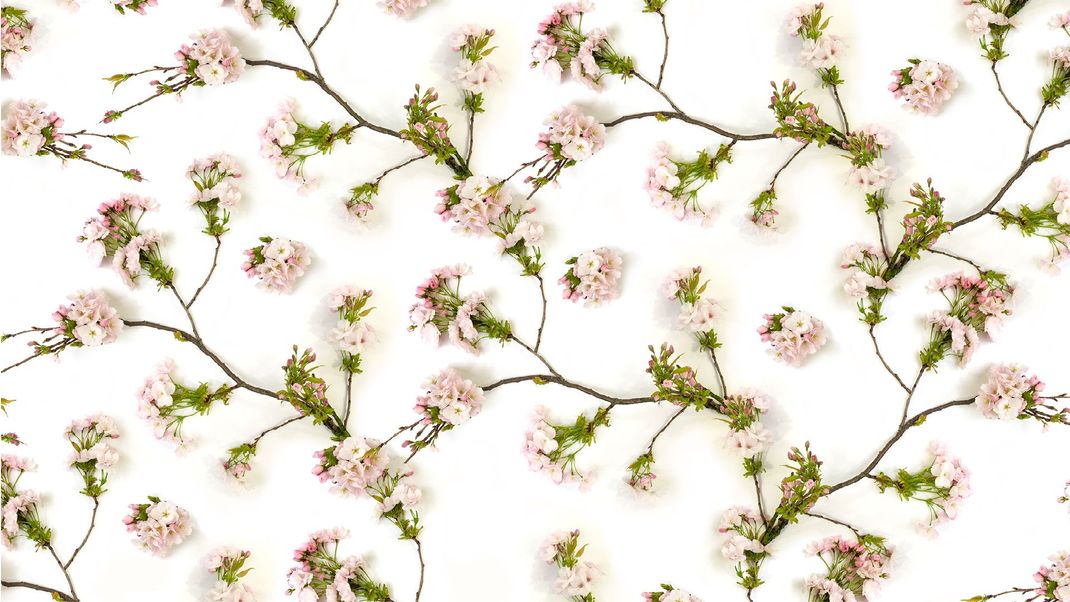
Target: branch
839,107
276,427
62,568
215,260
542,320
999,86
681,116
665,53
349,399
197,342
535,352
657,89
324,26
1029,161
797,152
92,523
420,555
185,308
880,356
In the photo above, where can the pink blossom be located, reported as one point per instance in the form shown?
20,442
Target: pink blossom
277,263
594,277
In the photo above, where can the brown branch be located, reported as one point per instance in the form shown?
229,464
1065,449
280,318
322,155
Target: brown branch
880,356
40,588
316,37
999,86
657,89
558,380
92,523
665,52
542,320
420,555
681,116
211,270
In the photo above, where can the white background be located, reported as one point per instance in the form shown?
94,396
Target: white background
485,512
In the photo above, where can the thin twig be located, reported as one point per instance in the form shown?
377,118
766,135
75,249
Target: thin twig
420,555
558,380
657,89
839,107
717,368
975,265
324,26
211,270
275,428
536,353
542,320
403,429
665,52
999,86
197,342
308,48
399,166
471,135
40,588
1033,131
62,568
681,116
650,448
880,356
835,522
910,394
349,399
185,308
89,531
797,152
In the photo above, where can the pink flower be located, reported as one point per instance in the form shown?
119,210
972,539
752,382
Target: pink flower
793,335
277,263
571,135
594,277
158,526
1007,392
402,8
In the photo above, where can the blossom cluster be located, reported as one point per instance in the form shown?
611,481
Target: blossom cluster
18,508
287,143
320,572
975,304
307,392
869,173
552,448
575,576
115,233
570,137
402,8
352,333
792,335
28,130
746,531
747,435
88,320
697,311
440,309
166,404
158,525
674,185
820,50
669,593
16,30
1053,580
93,453
855,568
482,206
449,400
1011,392
865,263
429,132
942,486
594,277
228,565
563,46
216,191
474,73
277,263
990,21
796,119
923,85
211,59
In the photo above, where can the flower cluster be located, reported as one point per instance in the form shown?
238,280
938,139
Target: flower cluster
763,209
228,565
115,233
28,130
941,486
252,10
744,546
797,119
440,309
674,185
1050,221
474,73
352,333
87,321
869,173
855,568
352,466
676,383
594,277
1011,392
277,263
166,404
482,206
449,400
866,263
925,223
402,8
697,312
319,572
16,29
1058,85
747,435
1053,580
430,132
570,137
563,45
820,50
669,593
792,335
990,21
287,143
976,304
19,508
214,178
307,393
552,448
923,86
802,488
158,526
93,453
575,576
